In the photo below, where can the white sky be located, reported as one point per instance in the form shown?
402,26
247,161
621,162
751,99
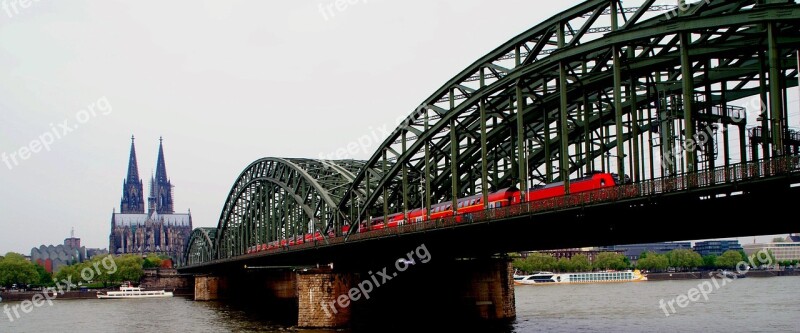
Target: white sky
224,82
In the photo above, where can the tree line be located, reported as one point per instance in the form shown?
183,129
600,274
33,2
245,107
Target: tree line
679,259
99,271
536,262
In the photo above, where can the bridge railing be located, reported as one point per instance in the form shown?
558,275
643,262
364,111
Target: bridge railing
704,178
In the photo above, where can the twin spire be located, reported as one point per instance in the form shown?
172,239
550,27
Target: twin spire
160,199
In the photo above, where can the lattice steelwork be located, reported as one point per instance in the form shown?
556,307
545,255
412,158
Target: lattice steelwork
277,199
200,248
649,99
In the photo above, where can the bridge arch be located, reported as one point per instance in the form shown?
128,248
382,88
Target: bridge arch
200,248
563,98
276,199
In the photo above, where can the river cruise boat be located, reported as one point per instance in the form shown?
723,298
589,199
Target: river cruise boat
587,277
133,292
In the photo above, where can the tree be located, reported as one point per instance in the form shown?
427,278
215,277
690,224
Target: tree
15,269
542,262
684,259
709,261
564,265
152,261
129,268
609,260
654,262
580,263
729,259
762,258
45,277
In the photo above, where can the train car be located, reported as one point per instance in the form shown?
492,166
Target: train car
592,182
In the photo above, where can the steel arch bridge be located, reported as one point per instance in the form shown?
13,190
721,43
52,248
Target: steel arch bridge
634,88
559,100
200,247
282,199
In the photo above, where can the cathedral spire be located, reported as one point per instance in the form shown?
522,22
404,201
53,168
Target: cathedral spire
132,197
133,167
160,187
161,167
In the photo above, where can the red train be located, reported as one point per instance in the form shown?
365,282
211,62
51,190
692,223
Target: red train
503,198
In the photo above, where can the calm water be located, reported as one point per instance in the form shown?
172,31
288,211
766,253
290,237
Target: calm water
745,305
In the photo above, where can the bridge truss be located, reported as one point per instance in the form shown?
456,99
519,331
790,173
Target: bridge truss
651,98
635,88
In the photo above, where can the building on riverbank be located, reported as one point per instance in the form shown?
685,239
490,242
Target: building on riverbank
787,250
717,247
53,257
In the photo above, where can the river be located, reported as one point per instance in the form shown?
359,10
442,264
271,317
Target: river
744,305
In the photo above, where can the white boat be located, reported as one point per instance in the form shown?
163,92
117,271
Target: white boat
586,277
133,292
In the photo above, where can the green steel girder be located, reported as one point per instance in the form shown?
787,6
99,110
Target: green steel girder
200,248
278,199
521,77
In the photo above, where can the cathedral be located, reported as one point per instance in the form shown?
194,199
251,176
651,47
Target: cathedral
159,230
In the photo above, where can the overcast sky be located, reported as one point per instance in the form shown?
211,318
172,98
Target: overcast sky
224,82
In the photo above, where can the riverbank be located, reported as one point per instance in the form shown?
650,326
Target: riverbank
706,275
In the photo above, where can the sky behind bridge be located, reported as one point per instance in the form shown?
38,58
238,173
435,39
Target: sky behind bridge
224,82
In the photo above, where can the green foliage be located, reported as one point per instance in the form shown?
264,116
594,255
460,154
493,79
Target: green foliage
729,259
762,258
104,269
536,262
45,278
15,269
610,260
684,259
710,261
152,261
564,265
580,263
653,262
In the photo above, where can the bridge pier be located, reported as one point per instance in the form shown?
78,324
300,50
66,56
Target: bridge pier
209,287
488,289
323,298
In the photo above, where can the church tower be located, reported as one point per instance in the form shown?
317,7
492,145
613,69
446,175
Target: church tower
132,193
160,198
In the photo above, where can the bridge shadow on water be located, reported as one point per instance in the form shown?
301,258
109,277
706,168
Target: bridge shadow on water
281,316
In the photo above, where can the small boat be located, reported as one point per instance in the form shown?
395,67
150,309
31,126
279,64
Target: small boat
586,277
133,292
